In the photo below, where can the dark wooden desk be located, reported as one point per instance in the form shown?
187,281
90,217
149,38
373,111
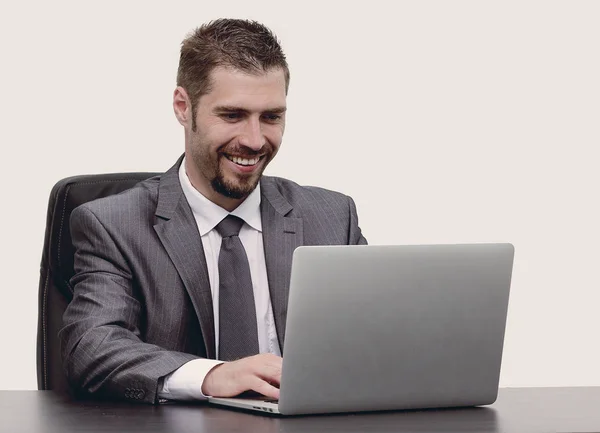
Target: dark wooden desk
520,410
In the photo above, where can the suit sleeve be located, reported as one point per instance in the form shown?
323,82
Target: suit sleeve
102,351
355,236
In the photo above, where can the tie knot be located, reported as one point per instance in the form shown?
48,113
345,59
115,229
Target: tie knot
230,226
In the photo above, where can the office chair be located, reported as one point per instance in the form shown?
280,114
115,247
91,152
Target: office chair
55,291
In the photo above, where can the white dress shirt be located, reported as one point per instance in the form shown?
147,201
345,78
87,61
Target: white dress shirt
185,383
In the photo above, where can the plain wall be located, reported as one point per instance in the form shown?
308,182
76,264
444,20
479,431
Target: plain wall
447,122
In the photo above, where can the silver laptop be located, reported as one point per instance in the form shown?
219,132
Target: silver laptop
374,328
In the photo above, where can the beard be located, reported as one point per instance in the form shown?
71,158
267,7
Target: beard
238,190
235,187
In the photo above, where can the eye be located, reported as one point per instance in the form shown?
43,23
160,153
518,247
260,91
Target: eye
270,117
234,115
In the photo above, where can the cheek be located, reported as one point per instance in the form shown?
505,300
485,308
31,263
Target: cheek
275,136
219,136
210,141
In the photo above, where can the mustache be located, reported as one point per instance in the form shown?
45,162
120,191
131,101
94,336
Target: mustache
243,151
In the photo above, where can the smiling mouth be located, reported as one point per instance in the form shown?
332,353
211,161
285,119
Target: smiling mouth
245,162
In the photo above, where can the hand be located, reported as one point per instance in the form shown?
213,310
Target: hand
260,373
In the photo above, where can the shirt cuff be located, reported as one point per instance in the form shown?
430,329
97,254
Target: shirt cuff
185,383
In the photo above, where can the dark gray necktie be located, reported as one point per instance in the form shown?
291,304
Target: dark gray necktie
238,336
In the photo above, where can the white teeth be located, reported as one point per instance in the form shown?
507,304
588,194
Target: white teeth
243,161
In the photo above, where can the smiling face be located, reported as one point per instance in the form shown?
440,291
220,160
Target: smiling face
239,128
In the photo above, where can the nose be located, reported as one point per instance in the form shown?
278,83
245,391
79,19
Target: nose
252,135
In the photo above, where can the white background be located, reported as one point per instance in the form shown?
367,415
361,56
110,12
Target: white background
462,121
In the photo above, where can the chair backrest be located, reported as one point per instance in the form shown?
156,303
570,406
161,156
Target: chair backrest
55,291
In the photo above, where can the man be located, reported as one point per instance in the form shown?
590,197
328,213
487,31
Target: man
165,290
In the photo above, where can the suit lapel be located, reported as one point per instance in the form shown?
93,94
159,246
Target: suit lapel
178,232
281,236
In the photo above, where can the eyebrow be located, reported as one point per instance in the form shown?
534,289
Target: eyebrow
233,109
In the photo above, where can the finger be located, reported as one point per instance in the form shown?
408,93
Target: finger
270,373
264,388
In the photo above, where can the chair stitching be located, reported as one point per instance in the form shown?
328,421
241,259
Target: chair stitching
111,181
62,220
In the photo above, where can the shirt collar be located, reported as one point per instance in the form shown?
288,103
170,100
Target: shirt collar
209,214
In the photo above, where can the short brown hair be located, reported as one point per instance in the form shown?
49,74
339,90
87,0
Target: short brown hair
241,44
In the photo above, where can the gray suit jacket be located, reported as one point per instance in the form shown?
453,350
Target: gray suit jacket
142,304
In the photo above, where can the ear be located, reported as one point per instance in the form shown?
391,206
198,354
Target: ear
182,106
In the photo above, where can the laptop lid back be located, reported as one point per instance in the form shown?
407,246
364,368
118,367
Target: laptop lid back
395,327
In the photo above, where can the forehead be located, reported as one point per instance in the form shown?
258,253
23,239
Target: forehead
232,87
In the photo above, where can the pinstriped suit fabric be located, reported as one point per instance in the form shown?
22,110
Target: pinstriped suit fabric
142,303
